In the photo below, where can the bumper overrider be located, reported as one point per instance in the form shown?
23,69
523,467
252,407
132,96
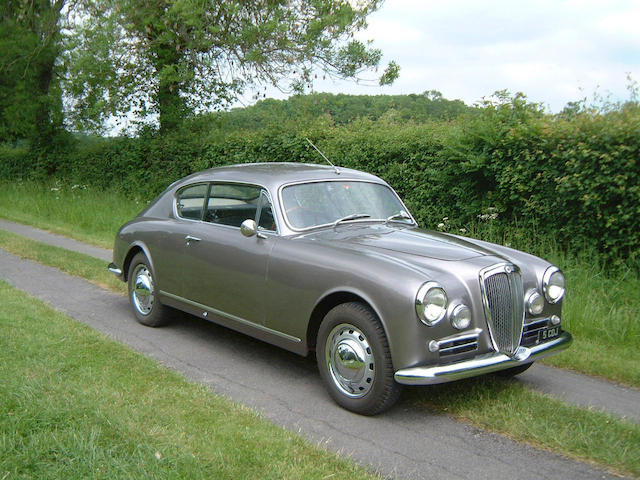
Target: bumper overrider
113,268
480,365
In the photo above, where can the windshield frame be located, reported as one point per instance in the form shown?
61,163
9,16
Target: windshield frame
331,224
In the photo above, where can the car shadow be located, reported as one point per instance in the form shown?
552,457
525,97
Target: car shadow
275,362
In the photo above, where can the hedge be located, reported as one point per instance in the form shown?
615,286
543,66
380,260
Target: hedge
575,177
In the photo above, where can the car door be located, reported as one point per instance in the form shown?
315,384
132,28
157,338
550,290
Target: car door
170,243
224,270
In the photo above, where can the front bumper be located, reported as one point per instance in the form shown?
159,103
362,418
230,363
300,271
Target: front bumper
480,365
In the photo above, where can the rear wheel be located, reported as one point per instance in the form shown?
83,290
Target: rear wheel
354,360
142,294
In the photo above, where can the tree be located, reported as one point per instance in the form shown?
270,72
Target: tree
173,58
30,46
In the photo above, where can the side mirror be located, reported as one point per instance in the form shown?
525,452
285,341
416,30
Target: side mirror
248,228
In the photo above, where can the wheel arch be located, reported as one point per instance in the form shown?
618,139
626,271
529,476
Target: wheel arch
134,249
331,300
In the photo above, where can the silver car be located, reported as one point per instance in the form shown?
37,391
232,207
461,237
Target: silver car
314,258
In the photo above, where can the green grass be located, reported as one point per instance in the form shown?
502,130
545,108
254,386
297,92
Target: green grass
84,214
74,404
73,263
510,408
602,308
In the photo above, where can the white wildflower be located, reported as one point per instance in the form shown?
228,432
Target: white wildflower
441,225
463,230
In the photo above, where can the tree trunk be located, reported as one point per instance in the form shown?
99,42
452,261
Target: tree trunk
172,108
43,70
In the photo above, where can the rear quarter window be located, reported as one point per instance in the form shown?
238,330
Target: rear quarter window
190,201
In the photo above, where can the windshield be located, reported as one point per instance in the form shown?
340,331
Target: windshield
309,205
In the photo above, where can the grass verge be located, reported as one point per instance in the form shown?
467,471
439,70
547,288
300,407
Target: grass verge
510,408
84,214
74,404
73,263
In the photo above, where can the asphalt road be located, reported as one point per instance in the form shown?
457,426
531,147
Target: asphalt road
406,442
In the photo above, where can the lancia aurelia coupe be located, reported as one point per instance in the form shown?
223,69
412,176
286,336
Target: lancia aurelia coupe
315,258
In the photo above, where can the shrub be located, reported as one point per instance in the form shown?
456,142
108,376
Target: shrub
574,177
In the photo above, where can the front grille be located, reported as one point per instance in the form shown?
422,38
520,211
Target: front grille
504,306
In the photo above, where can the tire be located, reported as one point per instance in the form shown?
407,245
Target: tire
513,371
146,308
354,360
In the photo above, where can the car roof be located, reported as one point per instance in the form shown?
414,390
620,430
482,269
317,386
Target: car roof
274,174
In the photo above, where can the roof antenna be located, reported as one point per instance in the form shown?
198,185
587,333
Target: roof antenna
337,170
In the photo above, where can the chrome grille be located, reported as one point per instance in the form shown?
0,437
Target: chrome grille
503,300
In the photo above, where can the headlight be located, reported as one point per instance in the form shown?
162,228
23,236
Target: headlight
461,317
553,284
535,303
431,303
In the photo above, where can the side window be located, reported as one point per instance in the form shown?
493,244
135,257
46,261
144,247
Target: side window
190,201
266,220
232,204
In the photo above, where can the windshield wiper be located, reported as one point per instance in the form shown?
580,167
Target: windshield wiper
353,216
396,217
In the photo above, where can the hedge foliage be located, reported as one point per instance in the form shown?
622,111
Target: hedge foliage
574,176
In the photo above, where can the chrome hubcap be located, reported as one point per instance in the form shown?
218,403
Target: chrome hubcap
142,293
350,361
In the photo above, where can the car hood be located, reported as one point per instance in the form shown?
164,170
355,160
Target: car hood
412,241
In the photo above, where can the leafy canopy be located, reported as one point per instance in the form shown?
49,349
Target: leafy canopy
173,58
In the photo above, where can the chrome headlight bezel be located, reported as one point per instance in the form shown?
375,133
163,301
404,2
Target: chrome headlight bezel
548,285
534,302
457,317
431,316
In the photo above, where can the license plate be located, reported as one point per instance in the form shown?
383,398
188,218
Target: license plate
548,333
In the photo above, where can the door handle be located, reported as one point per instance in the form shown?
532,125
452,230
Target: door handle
189,238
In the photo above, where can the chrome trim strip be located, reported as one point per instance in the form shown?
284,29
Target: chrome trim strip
480,365
229,316
470,335
113,268
453,349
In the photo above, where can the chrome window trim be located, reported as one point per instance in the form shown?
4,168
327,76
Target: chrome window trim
210,184
229,316
364,220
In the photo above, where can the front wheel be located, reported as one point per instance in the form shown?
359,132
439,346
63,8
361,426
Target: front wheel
354,360
142,293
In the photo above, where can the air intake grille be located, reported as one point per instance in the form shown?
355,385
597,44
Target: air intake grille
504,306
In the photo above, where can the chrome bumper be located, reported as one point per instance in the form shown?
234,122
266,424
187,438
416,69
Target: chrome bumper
480,365
113,268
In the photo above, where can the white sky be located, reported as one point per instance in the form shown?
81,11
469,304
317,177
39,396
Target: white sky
553,51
